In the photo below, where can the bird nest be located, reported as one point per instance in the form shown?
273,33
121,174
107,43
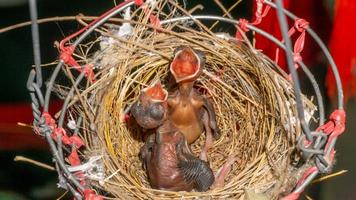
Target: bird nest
253,100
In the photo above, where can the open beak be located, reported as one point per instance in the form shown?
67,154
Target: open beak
156,92
186,65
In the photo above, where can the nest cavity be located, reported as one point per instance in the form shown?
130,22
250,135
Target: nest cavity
253,100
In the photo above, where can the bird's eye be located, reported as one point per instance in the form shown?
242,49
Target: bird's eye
156,112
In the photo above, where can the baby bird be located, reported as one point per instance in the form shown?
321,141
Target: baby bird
170,164
187,109
150,109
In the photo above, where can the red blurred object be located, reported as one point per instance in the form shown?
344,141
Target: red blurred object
91,195
343,48
15,137
311,11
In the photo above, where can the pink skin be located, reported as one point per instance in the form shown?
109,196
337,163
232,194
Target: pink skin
209,139
221,174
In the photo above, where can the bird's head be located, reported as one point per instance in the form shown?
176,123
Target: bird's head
187,64
155,92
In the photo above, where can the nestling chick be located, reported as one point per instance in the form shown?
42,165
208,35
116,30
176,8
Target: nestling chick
187,109
170,165
150,109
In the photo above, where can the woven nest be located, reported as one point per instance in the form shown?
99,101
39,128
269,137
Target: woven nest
253,100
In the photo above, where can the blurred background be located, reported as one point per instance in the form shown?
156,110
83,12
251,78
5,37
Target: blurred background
334,21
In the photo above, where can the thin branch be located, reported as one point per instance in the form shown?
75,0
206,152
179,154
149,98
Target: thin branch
52,19
34,162
226,12
329,176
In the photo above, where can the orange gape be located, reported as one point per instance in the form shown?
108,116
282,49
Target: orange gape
185,64
183,68
156,92
188,56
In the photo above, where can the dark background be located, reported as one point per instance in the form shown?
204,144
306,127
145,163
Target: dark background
24,181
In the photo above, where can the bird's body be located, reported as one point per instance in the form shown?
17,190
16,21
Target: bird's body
186,114
170,165
189,111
